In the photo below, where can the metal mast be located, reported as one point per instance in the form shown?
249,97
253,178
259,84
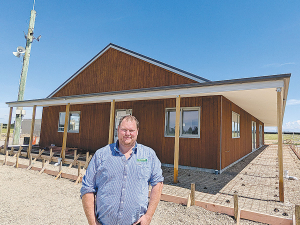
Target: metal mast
19,111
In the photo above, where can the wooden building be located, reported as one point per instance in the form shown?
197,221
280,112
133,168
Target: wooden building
220,122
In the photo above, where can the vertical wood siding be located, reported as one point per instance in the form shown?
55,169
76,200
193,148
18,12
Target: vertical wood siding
200,152
203,152
235,148
115,71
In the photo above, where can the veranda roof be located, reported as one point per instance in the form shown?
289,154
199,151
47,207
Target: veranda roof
256,95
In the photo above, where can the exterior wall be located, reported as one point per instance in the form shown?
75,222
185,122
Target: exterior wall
203,152
115,71
235,148
200,152
93,130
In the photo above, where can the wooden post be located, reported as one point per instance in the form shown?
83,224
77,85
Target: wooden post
176,146
87,157
8,129
192,194
75,154
79,173
19,151
79,168
111,122
6,157
74,161
297,214
17,160
188,204
31,131
236,206
64,145
30,160
280,155
11,151
51,155
60,171
31,164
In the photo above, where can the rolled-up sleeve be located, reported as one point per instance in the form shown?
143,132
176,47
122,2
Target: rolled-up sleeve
156,175
89,179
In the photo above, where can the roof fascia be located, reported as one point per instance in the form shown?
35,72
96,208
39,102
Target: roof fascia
162,92
137,55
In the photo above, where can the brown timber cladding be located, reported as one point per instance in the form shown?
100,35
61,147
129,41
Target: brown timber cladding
116,71
203,152
235,148
94,125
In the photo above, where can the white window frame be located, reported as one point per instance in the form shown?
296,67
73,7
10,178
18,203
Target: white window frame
182,109
61,128
236,129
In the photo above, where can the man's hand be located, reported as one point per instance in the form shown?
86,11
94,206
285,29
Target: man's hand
144,220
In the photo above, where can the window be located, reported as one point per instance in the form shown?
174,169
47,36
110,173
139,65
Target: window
189,122
61,121
235,125
73,124
170,122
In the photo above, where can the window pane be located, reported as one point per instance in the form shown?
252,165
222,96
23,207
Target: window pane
190,122
170,124
61,121
74,121
235,125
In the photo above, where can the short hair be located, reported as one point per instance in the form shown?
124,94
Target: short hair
129,118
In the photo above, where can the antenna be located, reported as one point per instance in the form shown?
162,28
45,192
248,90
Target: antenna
33,4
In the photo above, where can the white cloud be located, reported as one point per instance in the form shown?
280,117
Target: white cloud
293,102
279,64
287,127
292,126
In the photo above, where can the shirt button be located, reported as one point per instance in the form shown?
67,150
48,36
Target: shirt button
122,202
120,214
124,176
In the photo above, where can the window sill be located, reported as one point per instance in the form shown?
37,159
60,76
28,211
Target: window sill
183,136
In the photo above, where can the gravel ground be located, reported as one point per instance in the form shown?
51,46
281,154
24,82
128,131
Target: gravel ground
29,198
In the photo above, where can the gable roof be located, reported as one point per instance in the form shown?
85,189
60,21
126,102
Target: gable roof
137,55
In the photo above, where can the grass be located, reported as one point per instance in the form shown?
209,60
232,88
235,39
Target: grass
4,130
295,137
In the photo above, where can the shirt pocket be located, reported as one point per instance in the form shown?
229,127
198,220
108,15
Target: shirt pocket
143,170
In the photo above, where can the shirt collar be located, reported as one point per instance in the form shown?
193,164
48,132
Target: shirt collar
116,148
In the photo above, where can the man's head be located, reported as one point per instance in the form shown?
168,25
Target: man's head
128,130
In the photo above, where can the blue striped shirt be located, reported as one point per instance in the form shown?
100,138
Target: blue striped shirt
120,184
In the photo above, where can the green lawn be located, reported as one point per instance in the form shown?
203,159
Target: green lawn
295,138
4,130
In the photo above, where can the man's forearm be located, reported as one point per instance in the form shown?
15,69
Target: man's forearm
88,203
154,198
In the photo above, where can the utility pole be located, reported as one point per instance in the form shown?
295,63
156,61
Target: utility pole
19,111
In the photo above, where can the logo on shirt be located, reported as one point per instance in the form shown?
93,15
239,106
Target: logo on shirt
142,160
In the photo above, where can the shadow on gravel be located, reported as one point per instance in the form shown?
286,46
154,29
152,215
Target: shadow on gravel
207,182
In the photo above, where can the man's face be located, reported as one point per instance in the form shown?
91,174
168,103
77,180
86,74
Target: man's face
127,133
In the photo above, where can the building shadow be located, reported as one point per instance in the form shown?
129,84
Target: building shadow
207,182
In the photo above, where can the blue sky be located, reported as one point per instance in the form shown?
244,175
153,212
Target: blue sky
216,39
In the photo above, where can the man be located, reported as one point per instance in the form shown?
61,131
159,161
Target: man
115,186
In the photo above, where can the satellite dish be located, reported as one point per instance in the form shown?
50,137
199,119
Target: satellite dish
20,50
